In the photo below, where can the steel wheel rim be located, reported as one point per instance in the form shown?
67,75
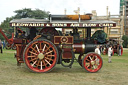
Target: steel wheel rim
40,56
80,57
92,62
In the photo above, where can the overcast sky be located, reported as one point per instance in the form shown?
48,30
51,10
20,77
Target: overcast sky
7,7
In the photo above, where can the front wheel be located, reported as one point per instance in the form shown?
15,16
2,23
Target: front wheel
40,55
92,62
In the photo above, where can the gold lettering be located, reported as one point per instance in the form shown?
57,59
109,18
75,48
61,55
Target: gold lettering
30,25
20,24
17,24
111,25
34,25
105,24
85,25
93,25
48,25
100,25
42,25
37,25
65,25
13,24
24,24
54,25
74,25
58,25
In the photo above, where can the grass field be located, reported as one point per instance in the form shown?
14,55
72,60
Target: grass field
115,73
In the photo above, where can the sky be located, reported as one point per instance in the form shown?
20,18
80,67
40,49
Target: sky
7,7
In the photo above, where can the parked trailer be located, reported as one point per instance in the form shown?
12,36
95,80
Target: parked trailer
41,51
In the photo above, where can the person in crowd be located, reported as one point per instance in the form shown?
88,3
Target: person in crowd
1,46
97,50
4,45
119,50
110,53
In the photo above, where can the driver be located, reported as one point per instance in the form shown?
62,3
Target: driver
33,32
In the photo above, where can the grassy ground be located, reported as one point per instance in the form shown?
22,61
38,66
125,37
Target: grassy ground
115,73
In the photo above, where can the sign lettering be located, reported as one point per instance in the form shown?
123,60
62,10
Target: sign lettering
63,24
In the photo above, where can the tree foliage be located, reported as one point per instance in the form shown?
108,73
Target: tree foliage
22,13
125,41
28,13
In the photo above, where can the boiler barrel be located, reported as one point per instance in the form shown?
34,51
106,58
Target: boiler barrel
89,48
84,48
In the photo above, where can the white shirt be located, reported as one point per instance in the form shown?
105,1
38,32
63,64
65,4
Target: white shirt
97,51
109,51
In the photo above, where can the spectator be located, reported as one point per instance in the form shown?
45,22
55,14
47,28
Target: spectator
97,50
110,52
4,44
1,46
119,50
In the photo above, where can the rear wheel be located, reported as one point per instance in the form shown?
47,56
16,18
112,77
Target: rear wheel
13,46
92,62
40,55
8,46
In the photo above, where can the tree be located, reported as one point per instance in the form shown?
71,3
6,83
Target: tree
28,13
22,13
125,42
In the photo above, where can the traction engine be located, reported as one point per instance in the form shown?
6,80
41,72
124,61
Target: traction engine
43,50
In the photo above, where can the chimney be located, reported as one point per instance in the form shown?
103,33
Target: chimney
65,11
107,11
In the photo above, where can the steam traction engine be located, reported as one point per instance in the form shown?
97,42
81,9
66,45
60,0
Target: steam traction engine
41,51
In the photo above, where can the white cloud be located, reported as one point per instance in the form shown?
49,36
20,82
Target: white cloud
57,6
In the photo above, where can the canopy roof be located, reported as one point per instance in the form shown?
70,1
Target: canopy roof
30,22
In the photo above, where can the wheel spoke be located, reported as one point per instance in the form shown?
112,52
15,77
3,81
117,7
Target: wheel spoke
41,65
87,60
43,48
90,58
33,59
38,63
93,57
34,63
48,52
47,62
49,59
44,64
33,49
40,46
88,66
32,52
47,49
31,56
37,48
50,55
94,67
